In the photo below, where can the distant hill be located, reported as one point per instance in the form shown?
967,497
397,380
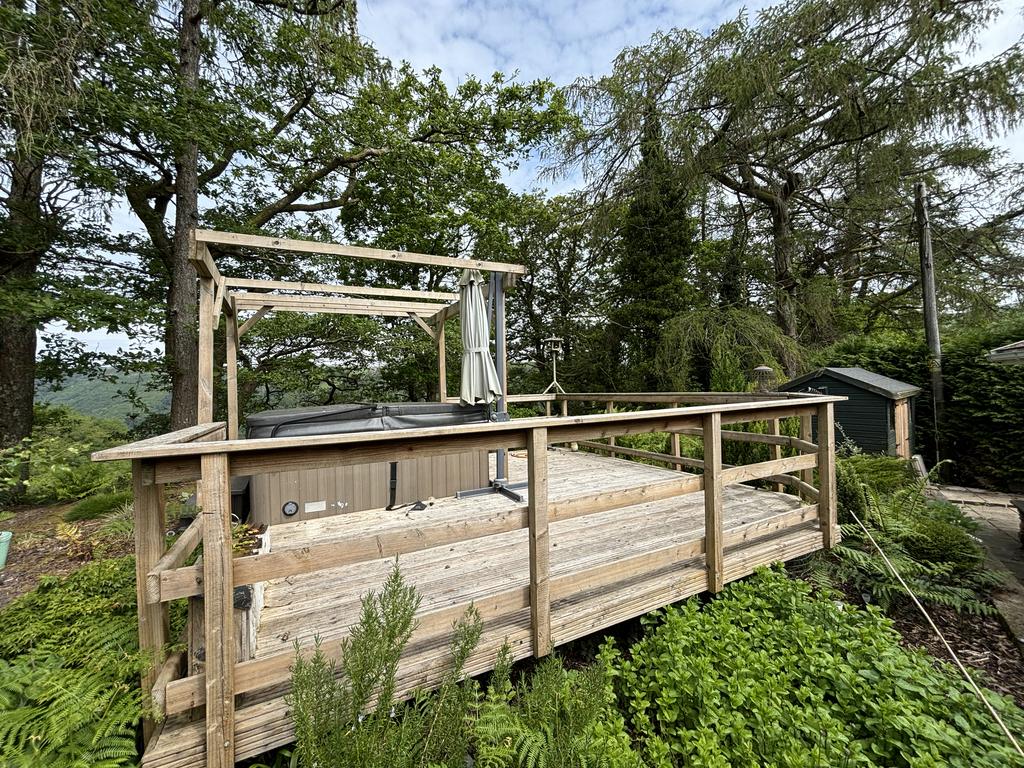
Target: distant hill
101,399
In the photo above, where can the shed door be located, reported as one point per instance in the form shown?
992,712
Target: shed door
901,417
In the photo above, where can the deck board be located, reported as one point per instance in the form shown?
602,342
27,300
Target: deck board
326,603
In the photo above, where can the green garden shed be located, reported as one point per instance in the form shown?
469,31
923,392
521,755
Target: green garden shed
878,414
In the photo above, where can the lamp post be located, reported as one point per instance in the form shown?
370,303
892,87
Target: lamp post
553,350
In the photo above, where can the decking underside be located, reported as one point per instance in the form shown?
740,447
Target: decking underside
605,568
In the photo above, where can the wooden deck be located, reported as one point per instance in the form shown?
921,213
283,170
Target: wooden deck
598,540
653,551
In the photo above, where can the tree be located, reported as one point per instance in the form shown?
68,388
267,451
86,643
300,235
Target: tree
655,261
779,111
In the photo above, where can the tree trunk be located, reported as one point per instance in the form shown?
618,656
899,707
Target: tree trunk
181,336
784,245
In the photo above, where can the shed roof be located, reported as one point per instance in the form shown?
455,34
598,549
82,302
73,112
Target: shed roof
859,377
1009,353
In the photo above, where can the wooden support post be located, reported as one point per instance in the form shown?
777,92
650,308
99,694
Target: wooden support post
775,451
154,627
827,476
677,450
540,597
218,594
547,407
713,551
207,290
565,408
610,408
442,370
807,434
231,334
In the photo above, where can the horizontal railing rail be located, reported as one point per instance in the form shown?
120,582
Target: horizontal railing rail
707,560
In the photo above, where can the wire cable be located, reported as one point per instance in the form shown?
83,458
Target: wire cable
938,633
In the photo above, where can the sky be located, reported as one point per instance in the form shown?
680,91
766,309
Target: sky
560,40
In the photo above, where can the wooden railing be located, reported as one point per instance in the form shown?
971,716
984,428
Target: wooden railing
202,454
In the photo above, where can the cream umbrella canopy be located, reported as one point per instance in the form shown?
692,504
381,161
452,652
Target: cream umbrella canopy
479,378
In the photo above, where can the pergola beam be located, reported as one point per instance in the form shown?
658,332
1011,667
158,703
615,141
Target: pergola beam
331,304
352,251
351,290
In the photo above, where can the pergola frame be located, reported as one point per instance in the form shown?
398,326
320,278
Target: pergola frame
230,296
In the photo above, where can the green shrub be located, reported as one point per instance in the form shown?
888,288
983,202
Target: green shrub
58,454
940,541
983,433
851,499
767,674
69,670
97,506
882,474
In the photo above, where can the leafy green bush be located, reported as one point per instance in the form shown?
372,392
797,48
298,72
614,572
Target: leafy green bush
930,547
983,433
767,674
882,474
97,506
58,454
69,670
347,714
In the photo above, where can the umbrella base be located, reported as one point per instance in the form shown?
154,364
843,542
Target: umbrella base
502,486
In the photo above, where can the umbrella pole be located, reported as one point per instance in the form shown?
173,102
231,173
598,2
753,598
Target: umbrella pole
497,293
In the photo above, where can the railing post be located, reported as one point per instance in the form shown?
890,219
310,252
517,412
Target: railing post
540,545
713,551
442,369
807,433
610,408
547,408
775,451
154,627
677,450
231,358
565,408
827,476
218,592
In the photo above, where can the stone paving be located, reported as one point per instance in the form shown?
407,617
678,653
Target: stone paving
999,531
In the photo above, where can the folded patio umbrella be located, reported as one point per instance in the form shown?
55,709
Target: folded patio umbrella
479,378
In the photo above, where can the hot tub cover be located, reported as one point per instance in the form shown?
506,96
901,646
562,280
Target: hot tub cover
361,417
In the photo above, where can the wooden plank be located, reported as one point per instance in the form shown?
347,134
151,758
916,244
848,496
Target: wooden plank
540,544
183,582
679,461
187,693
807,436
351,290
757,437
201,260
774,449
713,500
219,612
231,356
258,315
442,366
827,476
154,627
806,490
744,534
446,314
186,435
679,397
327,303
169,672
765,469
592,426
423,324
626,497
206,323
352,251
174,557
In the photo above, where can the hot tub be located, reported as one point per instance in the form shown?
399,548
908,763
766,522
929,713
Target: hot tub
282,497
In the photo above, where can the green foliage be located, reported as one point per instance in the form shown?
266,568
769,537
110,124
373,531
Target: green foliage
555,718
929,544
97,506
58,454
346,714
767,674
69,669
983,433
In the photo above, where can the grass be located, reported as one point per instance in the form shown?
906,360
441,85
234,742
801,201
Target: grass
98,506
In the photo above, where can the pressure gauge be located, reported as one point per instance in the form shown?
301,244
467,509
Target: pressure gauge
289,508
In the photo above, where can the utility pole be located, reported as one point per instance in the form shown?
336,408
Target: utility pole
931,313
